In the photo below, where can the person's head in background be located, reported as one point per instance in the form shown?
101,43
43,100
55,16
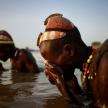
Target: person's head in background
7,47
96,44
61,43
22,60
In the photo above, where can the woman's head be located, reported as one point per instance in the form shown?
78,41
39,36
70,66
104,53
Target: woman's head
6,45
59,42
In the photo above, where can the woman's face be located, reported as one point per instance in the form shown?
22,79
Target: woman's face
4,52
62,58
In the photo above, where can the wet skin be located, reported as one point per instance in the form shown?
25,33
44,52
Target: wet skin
98,86
24,61
59,70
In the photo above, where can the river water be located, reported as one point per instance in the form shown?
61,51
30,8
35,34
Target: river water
27,90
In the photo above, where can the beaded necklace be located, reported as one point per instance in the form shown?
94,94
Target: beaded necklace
88,69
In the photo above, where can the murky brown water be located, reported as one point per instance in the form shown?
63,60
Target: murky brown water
27,90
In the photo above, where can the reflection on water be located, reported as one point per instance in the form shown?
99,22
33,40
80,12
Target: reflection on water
20,90
27,90
6,78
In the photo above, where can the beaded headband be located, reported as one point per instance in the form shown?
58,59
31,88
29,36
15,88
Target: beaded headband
5,40
50,35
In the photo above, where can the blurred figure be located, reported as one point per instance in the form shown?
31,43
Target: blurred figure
21,59
1,68
96,44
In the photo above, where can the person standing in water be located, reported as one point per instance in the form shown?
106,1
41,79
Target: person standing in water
21,59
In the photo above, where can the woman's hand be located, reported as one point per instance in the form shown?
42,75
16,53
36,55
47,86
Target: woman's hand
55,76
51,73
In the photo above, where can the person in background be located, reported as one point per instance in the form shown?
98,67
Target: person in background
95,44
21,59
